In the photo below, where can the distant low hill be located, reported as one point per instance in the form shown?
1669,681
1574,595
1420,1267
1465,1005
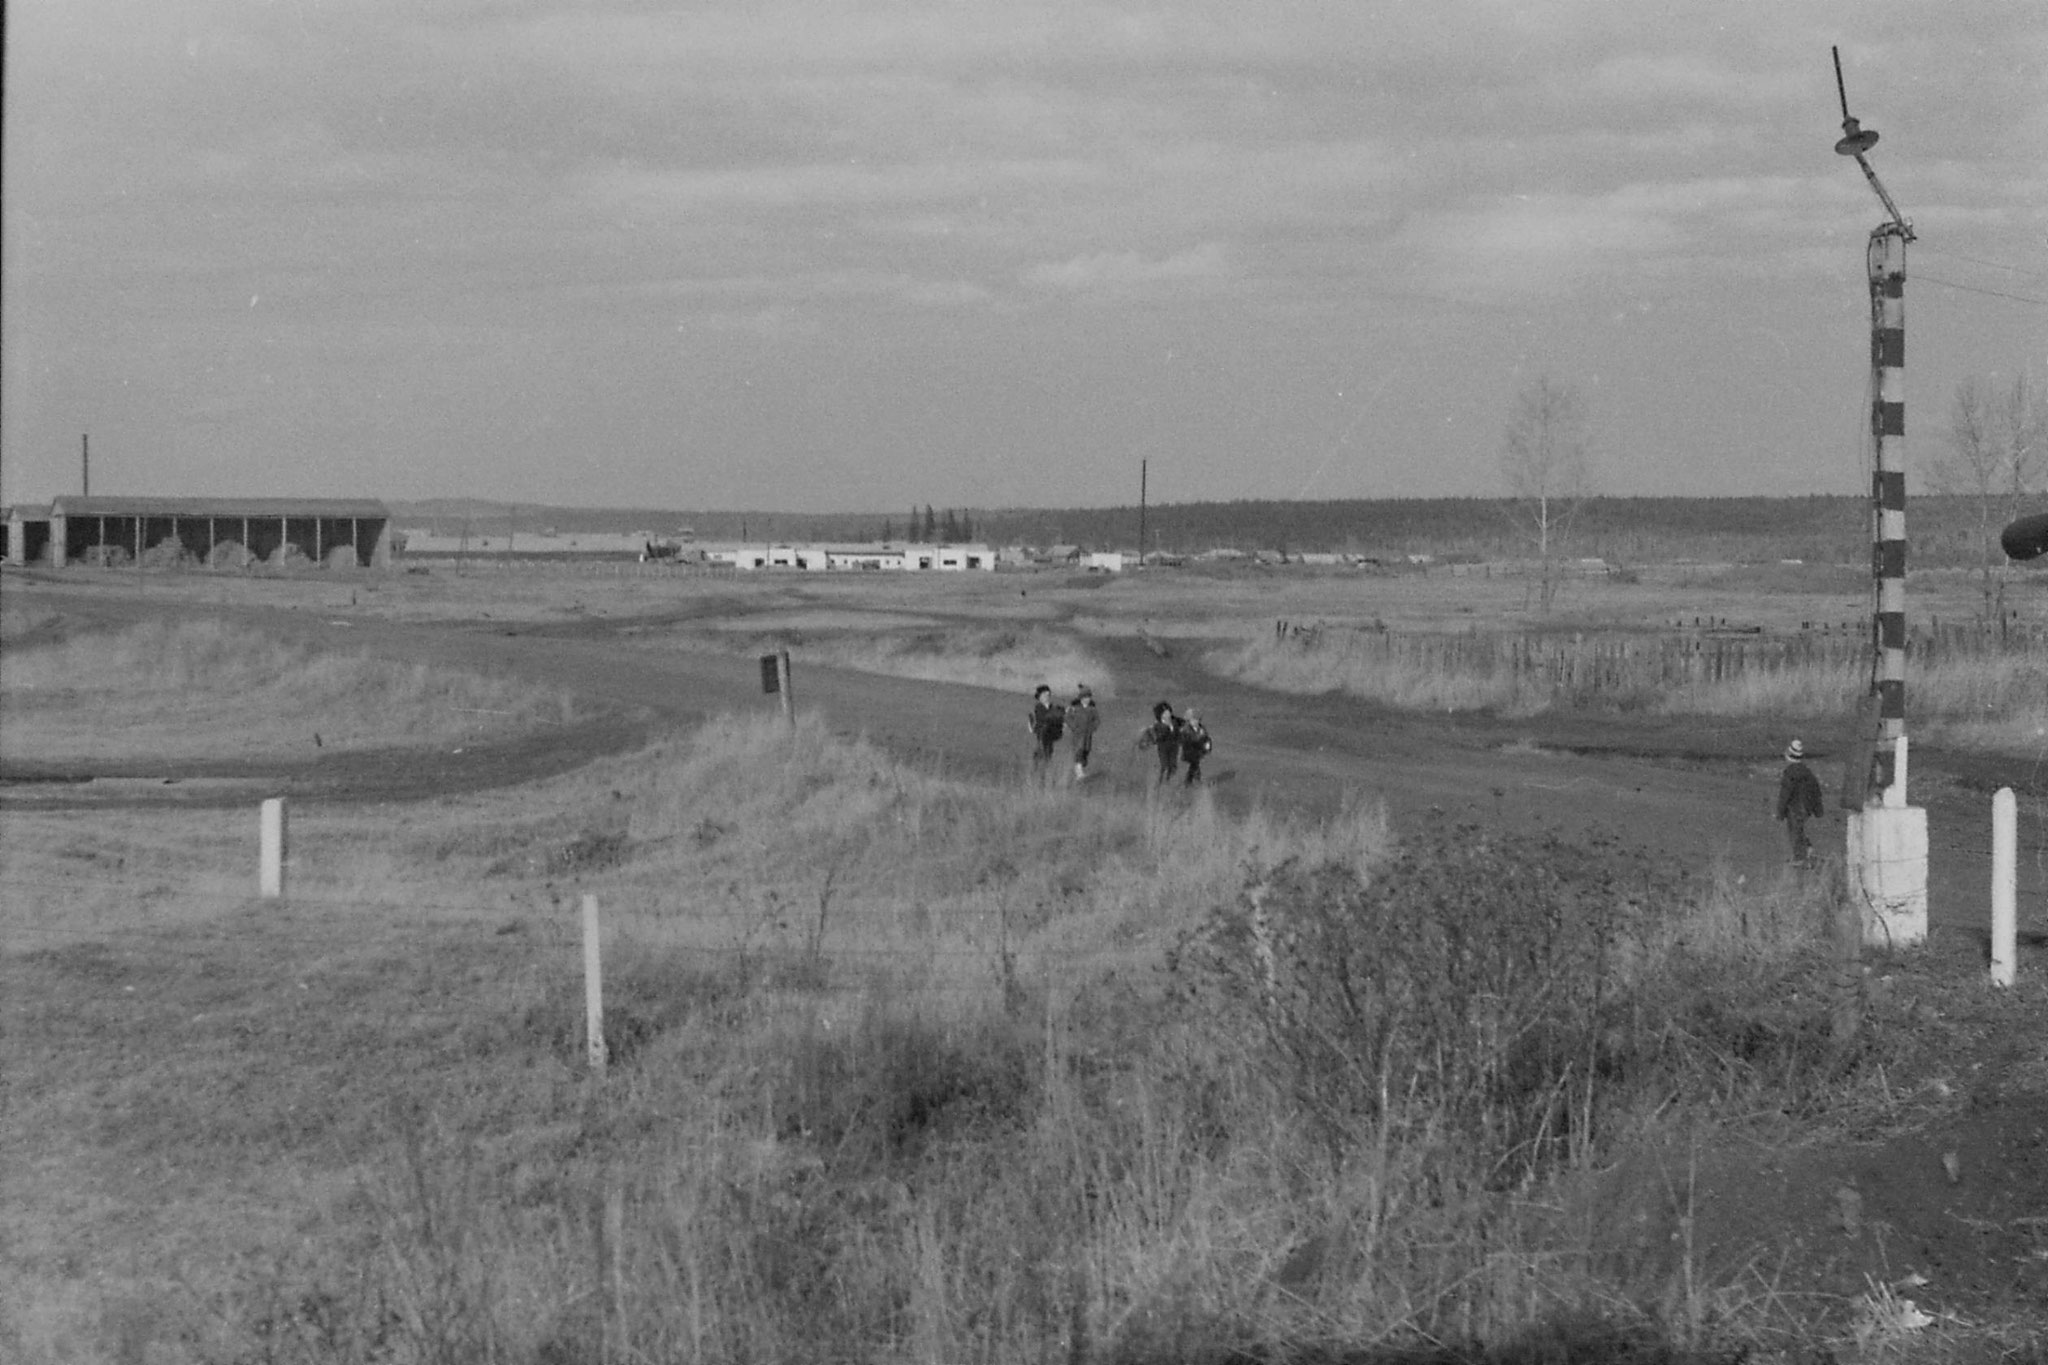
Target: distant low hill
1943,531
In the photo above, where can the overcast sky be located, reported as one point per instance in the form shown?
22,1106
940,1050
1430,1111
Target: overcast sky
850,254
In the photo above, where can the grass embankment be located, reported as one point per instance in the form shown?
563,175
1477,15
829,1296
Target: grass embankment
903,1070
1007,658
205,690
1978,695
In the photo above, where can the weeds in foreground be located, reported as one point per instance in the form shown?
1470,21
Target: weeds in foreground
1339,1124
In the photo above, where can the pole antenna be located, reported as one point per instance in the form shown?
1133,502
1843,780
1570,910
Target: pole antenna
1857,140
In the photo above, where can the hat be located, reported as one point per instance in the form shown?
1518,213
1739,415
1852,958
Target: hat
1083,691
1794,752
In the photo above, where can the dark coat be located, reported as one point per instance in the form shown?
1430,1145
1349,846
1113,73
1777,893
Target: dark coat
1048,721
1798,792
1081,723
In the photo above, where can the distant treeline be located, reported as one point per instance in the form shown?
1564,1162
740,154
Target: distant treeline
1942,531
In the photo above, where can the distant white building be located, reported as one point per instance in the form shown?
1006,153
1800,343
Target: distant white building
821,558
1104,561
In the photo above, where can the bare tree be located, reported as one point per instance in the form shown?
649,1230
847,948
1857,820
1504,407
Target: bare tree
1544,459
1998,454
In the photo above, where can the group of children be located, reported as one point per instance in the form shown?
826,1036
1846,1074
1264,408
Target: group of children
1180,741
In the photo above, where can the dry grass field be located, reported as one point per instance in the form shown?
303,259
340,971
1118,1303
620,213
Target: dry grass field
204,689
911,1067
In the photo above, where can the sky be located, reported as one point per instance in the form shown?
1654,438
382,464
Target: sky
851,255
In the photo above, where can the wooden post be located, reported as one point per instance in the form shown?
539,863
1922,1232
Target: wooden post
615,1261
270,872
782,680
2005,814
593,987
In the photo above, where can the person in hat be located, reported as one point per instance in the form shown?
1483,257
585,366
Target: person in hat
1163,734
1798,800
1195,745
1048,723
1082,718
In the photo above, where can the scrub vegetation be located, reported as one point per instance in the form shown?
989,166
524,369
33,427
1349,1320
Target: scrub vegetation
1972,688
904,1068
206,690
1006,658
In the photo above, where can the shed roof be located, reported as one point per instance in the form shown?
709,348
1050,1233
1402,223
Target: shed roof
217,507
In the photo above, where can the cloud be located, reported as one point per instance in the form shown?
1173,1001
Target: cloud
1534,246
1123,271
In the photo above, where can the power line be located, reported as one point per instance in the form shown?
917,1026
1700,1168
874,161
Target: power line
1978,289
1990,265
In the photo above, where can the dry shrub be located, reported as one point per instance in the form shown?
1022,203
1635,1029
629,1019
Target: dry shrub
105,556
168,553
288,556
229,554
1509,997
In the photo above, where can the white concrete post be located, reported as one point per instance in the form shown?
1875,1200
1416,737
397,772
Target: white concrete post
784,683
2005,818
593,987
270,865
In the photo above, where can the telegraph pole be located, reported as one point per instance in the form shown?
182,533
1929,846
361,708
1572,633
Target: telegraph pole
1887,267
1141,513
1887,839
85,464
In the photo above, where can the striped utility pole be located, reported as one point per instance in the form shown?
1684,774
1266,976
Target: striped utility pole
1887,260
1888,483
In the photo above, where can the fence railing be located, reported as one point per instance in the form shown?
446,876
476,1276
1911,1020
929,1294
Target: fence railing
1607,662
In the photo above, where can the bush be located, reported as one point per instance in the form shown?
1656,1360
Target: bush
168,553
1501,996
106,556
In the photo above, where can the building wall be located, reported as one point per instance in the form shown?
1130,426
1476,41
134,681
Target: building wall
76,537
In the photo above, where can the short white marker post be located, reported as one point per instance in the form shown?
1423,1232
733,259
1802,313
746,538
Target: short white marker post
593,987
2005,819
782,676
270,865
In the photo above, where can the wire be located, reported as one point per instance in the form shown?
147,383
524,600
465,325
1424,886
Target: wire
1925,278
1978,260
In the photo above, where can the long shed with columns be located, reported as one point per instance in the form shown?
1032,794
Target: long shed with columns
349,531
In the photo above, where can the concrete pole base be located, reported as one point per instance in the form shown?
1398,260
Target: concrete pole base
1887,873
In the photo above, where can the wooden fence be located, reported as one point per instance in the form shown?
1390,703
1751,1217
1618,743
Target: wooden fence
1610,664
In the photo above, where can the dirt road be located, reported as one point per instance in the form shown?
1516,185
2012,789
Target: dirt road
1695,792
